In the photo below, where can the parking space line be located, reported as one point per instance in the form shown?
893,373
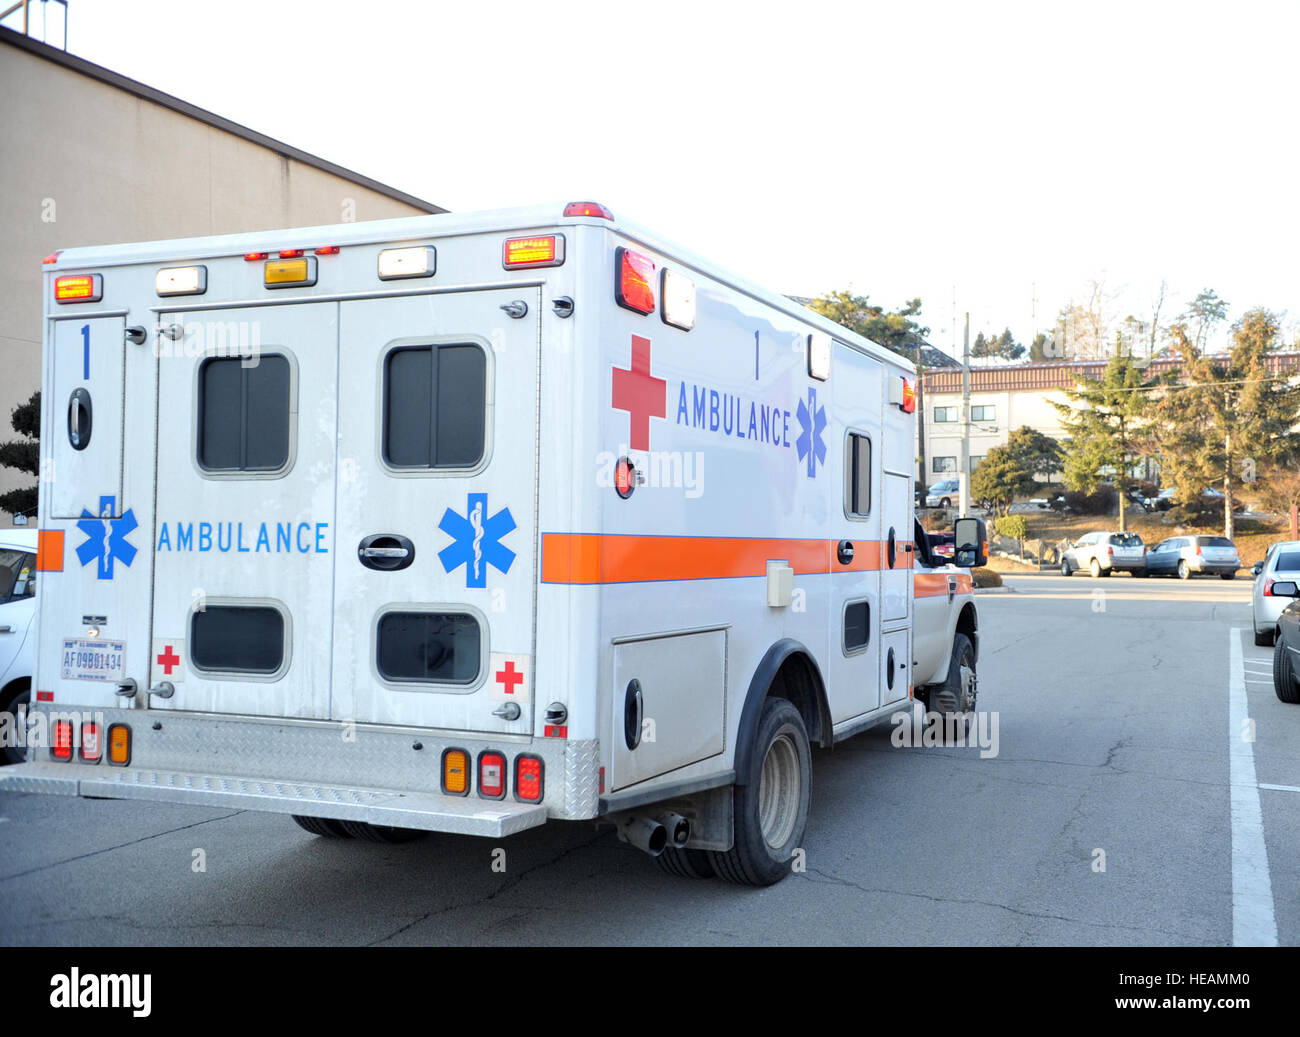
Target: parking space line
1253,923
1263,785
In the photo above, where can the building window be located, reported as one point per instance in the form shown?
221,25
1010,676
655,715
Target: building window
237,639
945,414
943,464
435,406
985,412
975,462
429,647
244,412
857,475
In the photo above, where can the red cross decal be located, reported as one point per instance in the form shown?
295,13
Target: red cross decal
168,660
510,677
640,394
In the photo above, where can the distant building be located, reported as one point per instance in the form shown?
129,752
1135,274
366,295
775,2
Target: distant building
1005,398
92,157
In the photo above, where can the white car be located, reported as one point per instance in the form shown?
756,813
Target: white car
1104,552
17,626
1281,563
942,494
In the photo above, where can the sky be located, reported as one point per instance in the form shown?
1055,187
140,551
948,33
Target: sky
991,158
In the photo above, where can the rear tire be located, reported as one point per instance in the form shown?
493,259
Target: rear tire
1283,675
326,827
1227,576
369,833
1184,573
1265,640
17,704
1065,567
686,864
1094,567
771,810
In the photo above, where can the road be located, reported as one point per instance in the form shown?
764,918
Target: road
1112,701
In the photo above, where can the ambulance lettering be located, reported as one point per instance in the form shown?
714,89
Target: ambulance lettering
240,538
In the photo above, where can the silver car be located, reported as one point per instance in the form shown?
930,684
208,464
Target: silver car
1190,556
1104,552
1281,564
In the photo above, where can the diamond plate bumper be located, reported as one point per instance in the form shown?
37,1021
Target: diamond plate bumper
470,816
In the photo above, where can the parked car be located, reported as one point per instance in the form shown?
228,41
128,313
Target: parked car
17,627
1285,653
942,545
1281,563
941,494
1190,556
1104,552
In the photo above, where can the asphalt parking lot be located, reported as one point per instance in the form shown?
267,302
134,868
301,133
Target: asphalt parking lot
1119,809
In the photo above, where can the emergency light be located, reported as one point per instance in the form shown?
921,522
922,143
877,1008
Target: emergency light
588,209
78,288
819,356
678,293
546,250
417,261
634,284
286,273
181,280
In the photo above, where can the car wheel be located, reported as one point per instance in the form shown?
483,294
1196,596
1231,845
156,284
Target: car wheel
1184,573
955,698
1227,576
1283,675
1264,640
1065,567
1094,567
16,704
1141,574
771,810
369,833
322,826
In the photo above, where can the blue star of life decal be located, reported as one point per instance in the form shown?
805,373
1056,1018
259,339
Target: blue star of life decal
812,423
106,541
476,540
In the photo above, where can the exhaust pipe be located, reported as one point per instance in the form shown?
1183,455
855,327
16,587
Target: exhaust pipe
678,829
645,833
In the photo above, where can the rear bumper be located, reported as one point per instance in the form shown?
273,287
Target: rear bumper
383,776
468,816
1214,568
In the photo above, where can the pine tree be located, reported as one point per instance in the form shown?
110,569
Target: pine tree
23,454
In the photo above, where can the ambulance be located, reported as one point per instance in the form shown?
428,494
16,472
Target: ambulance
464,523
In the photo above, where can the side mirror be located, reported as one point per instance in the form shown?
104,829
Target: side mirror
1286,589
1257,568
970,543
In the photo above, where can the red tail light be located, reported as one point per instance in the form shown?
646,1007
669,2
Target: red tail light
624,478
528,778
1268,588
492,775
635,285
1198,548
1110,552
61,744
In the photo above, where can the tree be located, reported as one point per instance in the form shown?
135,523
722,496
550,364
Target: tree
1042,349
1003,346
1000,478
23,454
1103,419
1037,452
1204,313
1229,419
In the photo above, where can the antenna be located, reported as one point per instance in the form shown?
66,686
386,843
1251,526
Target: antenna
25,6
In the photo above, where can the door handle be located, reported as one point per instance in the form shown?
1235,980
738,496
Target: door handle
386,552
6,630
844,552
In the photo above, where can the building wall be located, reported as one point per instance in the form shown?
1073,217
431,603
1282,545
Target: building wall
88,163
1012,409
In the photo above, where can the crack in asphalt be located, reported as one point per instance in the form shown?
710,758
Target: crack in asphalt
510,883
119,846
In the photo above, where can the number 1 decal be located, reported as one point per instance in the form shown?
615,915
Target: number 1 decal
85,351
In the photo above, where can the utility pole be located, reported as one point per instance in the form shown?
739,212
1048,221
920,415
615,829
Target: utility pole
963,484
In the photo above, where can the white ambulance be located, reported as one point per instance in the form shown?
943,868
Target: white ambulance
466,522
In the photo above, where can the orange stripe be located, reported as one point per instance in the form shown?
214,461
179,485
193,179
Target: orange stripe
594,558
49,551
930,585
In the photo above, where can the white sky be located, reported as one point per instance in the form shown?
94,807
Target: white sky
905,149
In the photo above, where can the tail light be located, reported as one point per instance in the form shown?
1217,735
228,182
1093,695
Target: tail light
290,253
1268,588
119,745
328,250
1198,549
528,778
254,257
455,772
624,478
1110,552
491,775
634,287
61,744
91,749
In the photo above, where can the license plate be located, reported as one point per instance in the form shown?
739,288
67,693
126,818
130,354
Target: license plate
93,660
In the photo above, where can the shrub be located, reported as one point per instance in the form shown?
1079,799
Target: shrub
1101,501
986,577
1013,526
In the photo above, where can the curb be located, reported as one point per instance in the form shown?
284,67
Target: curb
994,590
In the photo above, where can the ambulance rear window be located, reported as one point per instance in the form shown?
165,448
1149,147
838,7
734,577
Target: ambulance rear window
237,639
428,647
435,405
244,414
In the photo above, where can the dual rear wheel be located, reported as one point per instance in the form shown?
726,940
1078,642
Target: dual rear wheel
332,829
